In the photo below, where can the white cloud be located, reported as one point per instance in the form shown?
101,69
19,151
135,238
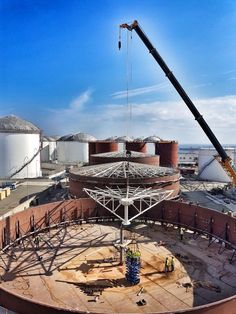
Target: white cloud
173,120
167,119
228,72
139,91
68,119
201,85
79,102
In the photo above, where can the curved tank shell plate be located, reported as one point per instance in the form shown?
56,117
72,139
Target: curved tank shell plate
16,149
138,157
168,152
72,152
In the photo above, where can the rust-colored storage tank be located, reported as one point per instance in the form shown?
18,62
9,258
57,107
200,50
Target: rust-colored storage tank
100,147
106,147
92,150
168,152
140,147
137,157
115,174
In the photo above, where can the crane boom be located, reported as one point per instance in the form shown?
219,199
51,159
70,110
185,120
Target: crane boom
225,161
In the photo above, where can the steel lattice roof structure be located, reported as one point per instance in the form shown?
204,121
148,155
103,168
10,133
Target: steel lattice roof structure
125,169
122,154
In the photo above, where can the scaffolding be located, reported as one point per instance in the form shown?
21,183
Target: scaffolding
133,264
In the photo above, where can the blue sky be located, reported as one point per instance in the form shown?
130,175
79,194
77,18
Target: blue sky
61,69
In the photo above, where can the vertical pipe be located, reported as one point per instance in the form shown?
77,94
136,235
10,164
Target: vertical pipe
126,214
121,244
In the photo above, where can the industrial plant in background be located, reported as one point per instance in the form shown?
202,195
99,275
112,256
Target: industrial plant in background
24,152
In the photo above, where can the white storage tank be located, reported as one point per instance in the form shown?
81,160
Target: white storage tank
121,140
151,140
209,168
73,148
49,149
19,148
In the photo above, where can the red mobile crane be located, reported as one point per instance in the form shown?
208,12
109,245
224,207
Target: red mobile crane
226,162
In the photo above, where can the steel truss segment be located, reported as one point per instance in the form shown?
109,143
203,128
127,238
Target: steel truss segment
141,199
102,203
102,193
164,196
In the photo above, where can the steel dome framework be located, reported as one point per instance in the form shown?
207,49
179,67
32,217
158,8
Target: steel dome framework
141,199
124,169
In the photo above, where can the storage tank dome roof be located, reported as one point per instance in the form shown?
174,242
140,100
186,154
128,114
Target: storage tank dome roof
111,138
78,137
49,138
152,138
138,139
14,124
123,139
68,137
84,137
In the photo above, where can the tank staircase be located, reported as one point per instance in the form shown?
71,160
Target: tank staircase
25,164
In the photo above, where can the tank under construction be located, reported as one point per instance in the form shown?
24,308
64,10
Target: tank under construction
60,257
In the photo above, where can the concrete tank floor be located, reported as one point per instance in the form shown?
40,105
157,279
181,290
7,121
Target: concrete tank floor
78,268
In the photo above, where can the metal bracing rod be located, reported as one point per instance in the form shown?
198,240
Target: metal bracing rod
102,204
151,206
232,257
4,253
147,199
98,174
152,195
221,248
103,193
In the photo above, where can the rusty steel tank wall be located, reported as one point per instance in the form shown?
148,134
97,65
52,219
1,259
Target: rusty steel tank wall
149,160
100,147
76,187
140,147
106,147
168,152
197,218
77,183
92,150
178,213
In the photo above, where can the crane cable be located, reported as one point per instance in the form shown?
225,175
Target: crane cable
129,71
128,81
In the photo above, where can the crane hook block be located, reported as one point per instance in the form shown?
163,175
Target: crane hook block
119,44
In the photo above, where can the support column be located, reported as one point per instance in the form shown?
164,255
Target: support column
121,245
126,215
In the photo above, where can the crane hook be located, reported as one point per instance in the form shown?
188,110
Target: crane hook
119,42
